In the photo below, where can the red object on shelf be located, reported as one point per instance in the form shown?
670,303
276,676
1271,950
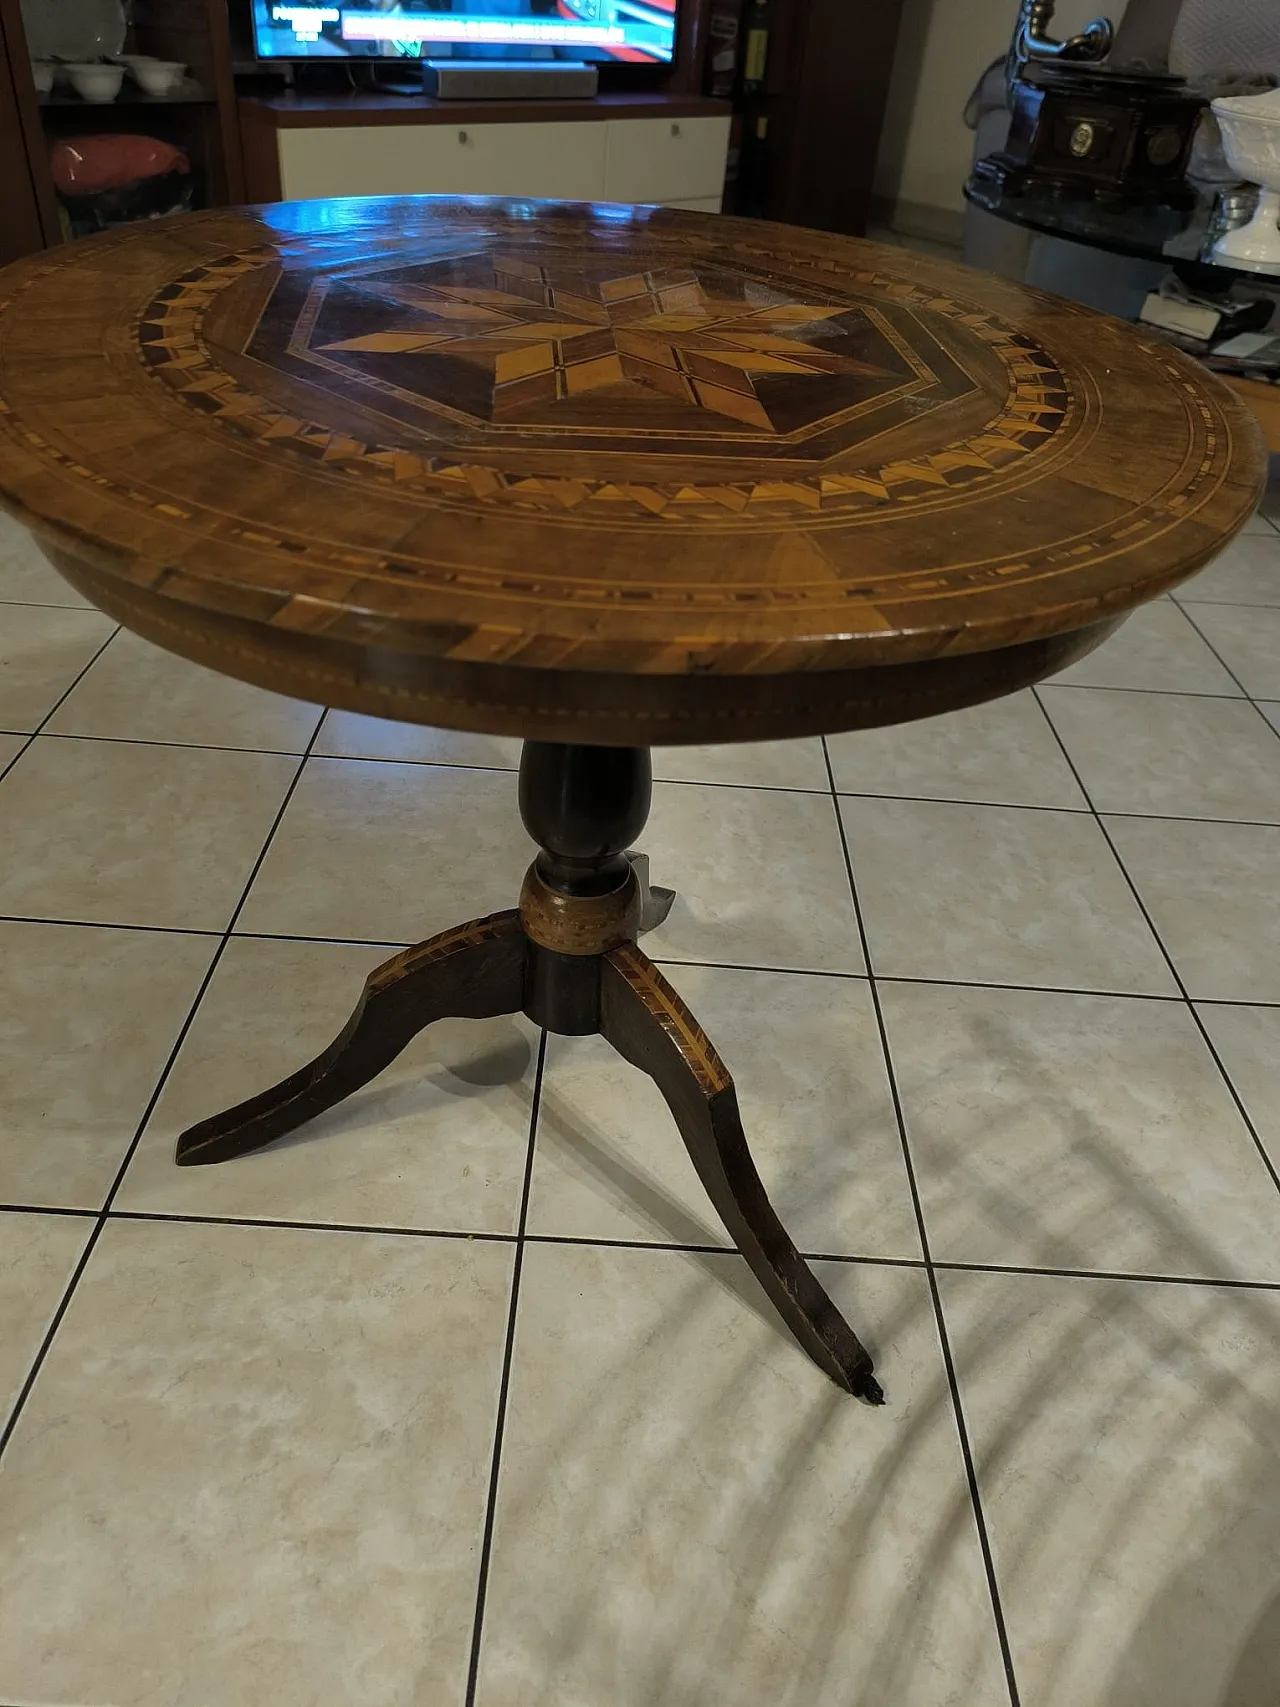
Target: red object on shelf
88,165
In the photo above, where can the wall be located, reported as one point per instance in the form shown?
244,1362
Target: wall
944,47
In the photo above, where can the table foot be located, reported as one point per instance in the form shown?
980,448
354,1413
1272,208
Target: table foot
646,1022
473,972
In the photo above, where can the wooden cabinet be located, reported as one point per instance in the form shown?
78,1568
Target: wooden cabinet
660,148
566,160
665,160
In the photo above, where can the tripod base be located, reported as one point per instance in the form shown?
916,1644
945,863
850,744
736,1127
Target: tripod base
569,960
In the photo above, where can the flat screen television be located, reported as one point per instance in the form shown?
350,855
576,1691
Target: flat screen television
628,31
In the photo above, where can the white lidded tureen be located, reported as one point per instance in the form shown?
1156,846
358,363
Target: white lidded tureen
1250,126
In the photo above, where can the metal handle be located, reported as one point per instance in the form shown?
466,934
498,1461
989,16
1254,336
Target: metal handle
1031,39
462,136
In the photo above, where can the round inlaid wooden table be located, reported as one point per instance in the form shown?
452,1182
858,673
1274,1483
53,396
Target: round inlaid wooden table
603,478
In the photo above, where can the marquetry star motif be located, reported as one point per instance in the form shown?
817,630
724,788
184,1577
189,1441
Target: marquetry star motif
544,340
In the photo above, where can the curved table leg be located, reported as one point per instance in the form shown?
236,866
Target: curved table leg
473,972
647,1023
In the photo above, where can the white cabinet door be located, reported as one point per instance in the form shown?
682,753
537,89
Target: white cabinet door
701,204
564,160
666,160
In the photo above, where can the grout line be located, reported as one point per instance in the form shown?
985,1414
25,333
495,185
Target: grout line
672,960
962,1430
1209,643
107,925
1081,811
708,965
504,1386
47,1208
1200,1026
1106,1274
1195,818
48,604
1153,693
1273,728
1033,1271
943,983
286,1224
104,1214
957,800
52,711
1229,604
420,764
172,746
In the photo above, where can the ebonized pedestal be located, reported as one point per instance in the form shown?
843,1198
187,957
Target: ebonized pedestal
568,959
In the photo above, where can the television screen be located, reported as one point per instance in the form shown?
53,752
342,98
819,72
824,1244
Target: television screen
636,31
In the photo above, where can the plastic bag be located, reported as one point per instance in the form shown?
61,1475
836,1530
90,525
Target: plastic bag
87,165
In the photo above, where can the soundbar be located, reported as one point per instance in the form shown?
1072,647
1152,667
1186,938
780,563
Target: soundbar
509,79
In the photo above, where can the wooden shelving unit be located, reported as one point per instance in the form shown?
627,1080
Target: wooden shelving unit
826,87
200,118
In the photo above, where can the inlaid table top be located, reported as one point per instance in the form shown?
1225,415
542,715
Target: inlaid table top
599,473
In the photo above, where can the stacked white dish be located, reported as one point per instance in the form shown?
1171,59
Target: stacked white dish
153,76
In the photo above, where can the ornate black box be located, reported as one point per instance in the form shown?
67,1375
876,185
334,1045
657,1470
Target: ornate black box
1120,134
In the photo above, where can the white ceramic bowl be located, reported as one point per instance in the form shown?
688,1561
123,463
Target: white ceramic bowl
158,76
1250,126
42,76
96,82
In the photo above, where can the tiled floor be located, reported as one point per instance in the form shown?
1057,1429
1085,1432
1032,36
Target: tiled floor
458,1396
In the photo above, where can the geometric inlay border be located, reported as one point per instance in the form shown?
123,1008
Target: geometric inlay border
1038,403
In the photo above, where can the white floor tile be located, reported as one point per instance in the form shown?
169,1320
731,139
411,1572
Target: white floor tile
1248,1044
390,853
1247,639
1247,573
1125,1440
690,1513
1003,753
1170,755
88,1018
1089,1132
754,764
42,651
254,1468
117,833
346,735
1158,650
994,894
38,1254
136,692
1211,891
759,875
